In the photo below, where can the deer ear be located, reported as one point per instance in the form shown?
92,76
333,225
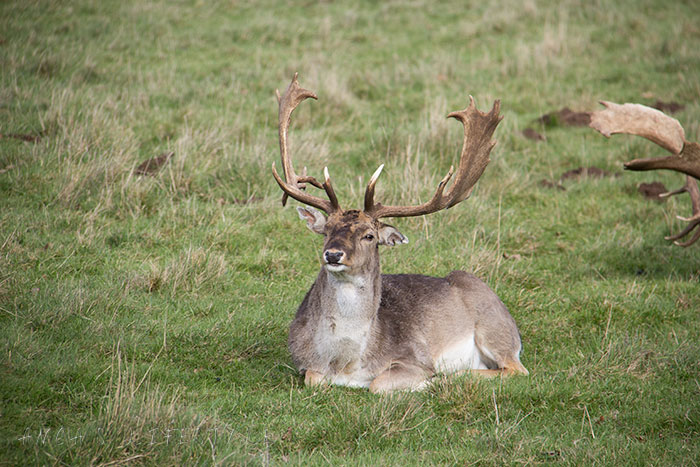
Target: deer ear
315,220
389,235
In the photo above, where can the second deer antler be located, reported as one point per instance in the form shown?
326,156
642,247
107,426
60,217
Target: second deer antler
667,132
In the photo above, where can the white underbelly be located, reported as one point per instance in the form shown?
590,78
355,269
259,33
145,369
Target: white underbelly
461,355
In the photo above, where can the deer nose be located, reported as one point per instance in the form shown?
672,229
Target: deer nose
333,256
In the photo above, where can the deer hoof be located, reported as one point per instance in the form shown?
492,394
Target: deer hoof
313,378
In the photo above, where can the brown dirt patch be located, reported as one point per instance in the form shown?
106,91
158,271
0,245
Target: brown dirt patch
652,190
586,172
668,107
23,137
531,134
550,184
565,117
153,165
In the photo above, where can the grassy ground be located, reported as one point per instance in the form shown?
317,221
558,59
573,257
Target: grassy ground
144,319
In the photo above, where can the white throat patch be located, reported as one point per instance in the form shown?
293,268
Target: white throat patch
351,294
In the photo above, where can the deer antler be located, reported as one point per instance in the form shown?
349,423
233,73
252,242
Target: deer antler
667,132
477,145
295,185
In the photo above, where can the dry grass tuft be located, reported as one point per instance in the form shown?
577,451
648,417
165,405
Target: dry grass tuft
195,268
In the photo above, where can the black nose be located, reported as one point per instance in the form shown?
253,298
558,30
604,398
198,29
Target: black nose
333,257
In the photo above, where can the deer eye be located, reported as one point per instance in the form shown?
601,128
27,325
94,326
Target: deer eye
368,237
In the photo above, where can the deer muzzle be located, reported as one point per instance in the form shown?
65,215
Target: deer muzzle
333,256
333,260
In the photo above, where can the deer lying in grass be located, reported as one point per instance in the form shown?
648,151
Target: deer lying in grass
667,132
358,327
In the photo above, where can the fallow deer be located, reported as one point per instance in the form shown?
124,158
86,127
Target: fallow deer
358,327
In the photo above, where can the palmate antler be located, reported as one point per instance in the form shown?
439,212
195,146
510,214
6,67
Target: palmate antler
477,145
295,184
667,132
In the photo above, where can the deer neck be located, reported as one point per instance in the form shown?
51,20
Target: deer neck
352,298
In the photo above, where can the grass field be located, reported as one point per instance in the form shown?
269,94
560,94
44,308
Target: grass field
143,319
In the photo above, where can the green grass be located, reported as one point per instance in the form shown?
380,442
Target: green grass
144,319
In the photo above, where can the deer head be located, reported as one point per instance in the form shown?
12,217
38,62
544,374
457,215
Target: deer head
353,236
667,132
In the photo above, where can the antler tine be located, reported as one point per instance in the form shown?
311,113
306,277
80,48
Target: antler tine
294,185
691,187
329,189
687,161
478,130
369,192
